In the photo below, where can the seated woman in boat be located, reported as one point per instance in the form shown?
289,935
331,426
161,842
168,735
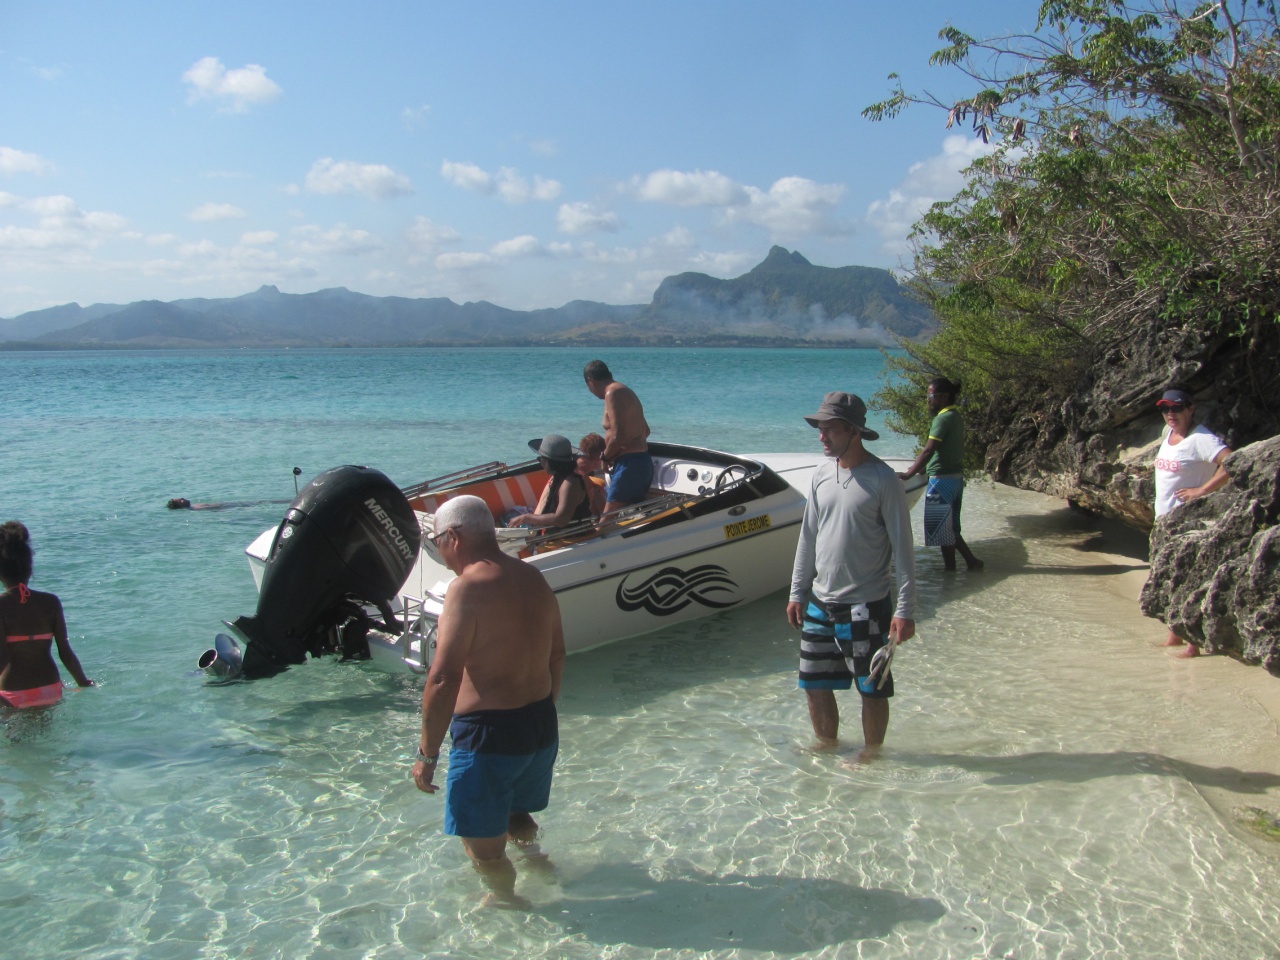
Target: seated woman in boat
564,499
31,622
590,462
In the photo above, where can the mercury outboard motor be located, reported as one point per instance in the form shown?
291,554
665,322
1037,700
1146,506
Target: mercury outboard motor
350,538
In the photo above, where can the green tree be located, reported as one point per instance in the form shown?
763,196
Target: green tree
1132,192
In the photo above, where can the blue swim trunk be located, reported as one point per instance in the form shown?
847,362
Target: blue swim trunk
942,500
500,763
632,475
838,642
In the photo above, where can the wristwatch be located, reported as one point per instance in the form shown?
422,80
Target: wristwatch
425,759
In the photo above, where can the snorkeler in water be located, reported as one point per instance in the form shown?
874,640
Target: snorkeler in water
182,503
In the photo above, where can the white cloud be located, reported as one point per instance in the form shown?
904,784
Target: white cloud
508,182
19,161
467,175
594,254
698,189
415,117
426,238
338,240
579,218
240,265
61,212
544,147
926,182
255,238
722,264
374,180
516,189
9,200
793,207
211,212
462,261
523,246
679,237
60,225
235,91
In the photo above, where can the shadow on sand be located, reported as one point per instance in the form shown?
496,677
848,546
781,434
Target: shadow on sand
1046,766
623,903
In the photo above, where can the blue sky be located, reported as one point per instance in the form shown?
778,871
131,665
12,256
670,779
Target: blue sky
528,154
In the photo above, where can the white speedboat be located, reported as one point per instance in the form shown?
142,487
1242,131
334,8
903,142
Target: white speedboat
718,530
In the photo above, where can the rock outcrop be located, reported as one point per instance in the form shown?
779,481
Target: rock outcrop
1095,447
1215,563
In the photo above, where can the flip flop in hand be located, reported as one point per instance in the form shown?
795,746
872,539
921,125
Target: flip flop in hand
881,662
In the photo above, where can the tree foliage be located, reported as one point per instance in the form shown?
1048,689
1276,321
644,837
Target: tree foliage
1134,179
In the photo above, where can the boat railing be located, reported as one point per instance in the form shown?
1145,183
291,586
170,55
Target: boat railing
467,475
624,519
417,626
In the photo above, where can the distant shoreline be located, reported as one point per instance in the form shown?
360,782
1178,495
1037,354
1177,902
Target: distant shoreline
744,343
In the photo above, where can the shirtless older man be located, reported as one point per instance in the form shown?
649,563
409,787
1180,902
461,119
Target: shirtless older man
626,435
493,684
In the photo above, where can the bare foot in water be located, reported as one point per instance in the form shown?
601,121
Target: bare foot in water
510,901
1174,640
817,745
1191,651
863,757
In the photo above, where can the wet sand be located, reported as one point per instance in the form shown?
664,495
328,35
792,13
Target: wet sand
1213,714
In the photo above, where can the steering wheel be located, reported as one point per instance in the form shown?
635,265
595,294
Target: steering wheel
726,476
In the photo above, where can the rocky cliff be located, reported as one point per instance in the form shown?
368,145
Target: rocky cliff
1214,563
1095,445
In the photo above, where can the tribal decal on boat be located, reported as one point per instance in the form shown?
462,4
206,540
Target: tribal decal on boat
671,589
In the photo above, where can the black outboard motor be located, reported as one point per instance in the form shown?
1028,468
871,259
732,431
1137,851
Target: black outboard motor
350,538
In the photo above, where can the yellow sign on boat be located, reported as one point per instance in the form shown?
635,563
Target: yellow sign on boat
744,527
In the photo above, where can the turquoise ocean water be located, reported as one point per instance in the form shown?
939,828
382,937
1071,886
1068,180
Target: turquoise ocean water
1032,802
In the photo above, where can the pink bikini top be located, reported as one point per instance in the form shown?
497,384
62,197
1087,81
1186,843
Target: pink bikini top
23,593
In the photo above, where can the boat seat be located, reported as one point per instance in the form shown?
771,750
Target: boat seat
500,494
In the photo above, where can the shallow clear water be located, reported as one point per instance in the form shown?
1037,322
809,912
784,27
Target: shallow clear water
1043,794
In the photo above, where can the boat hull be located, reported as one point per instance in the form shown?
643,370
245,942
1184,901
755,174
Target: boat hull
667,570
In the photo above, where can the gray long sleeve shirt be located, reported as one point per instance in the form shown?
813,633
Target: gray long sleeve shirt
856,529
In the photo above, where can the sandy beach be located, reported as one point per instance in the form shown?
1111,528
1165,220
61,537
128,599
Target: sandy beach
1217,718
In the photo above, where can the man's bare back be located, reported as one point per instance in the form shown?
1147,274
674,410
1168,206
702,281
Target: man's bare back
506,616
625,428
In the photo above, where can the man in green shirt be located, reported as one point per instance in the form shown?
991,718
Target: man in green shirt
943,460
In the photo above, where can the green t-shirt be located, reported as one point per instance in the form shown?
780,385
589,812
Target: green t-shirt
948,429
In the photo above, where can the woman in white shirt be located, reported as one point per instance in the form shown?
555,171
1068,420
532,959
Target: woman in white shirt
1188,466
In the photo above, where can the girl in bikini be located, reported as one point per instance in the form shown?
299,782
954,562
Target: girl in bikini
31,622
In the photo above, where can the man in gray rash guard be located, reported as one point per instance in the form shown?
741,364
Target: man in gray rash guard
856,524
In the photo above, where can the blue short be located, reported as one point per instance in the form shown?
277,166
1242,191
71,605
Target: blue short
837,645
632,475
500,763
942,501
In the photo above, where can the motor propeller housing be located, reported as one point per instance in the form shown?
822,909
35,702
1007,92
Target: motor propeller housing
350,537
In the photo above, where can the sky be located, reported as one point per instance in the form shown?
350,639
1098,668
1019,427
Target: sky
528,154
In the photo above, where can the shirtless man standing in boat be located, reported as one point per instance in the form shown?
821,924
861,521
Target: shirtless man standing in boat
493,685
626,435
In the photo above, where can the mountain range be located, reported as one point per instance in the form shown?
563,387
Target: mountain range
784,300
